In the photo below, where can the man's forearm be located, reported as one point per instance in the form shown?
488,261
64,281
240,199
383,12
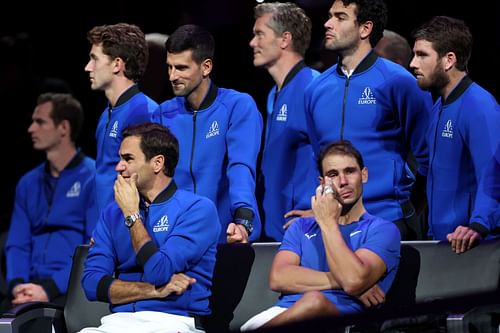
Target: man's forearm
139,235
121,292
298,279
352,274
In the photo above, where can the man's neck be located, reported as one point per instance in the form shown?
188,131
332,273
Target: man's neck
117,88
352,58
196,97
455,77
354,214
282,67
160,183
60,157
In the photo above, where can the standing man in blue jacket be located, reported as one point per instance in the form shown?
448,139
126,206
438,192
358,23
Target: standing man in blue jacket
154,247
288,176
374,103
219,133
488,197
54,208
118,59
463,134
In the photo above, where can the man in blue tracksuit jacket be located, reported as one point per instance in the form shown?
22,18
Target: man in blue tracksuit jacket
118,59
152,236
288,172
374,103
488,197
219,133
54,208
463,134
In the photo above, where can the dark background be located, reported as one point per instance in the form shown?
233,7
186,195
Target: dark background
47,41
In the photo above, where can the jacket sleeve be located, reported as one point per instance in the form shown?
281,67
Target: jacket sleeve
99,264
485,216
92,214
484,147
243,144
18,246
414,107
309,110
194,232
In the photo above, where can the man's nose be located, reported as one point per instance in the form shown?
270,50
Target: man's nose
120,166
342,179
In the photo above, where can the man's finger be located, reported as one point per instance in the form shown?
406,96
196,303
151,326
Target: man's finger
289,223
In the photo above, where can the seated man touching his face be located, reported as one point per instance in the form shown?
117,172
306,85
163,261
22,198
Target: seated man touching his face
338,261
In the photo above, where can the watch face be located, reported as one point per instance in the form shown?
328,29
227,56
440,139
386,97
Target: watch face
130,220
247,224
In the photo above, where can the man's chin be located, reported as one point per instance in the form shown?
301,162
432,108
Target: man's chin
258,63
347,204
179,93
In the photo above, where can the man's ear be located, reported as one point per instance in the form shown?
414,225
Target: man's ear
364,175
65,127
158,163
118,65
321,180
286,39
449,59
365,29
206,67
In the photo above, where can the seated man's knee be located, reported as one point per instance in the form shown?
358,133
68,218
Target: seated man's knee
316,302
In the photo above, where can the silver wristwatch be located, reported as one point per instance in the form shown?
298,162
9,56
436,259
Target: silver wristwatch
130,220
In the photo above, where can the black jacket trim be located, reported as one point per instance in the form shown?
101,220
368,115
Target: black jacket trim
459,90
50,288
208,100
366,63
146,252
167,193
481,229
291,74
244,214
128,94
103,288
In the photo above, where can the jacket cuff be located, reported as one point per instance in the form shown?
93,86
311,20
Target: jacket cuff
102,292
243,214
479,228
12,284
145,252
50,288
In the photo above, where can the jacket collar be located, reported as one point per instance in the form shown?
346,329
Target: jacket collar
128,94
208,100
459,90
366,63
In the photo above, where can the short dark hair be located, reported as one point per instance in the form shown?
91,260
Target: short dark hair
192,37
447,34
125,41
156,140
396,48
64,107
341,147
371,10
287,16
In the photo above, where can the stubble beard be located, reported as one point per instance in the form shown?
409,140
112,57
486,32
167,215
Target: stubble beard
437,80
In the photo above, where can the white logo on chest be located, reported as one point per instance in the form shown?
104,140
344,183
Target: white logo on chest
213,130
161,225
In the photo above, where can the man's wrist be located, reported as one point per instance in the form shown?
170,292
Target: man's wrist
480,229
131,219
247,224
